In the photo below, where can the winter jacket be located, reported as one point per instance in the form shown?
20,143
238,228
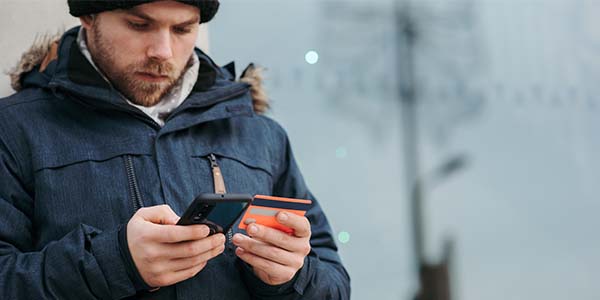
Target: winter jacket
77,161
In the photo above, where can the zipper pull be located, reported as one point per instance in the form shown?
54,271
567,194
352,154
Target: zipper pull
213,161
219,183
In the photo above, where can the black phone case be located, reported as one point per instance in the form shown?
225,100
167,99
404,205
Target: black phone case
199,210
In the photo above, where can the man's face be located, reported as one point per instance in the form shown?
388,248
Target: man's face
144,50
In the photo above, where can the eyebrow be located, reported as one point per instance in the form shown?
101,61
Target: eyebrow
137,13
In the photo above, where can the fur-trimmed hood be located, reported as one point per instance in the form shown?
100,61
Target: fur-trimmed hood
45,50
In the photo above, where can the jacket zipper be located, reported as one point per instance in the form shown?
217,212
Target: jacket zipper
134,189
219,185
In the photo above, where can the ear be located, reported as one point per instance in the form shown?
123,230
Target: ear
87,21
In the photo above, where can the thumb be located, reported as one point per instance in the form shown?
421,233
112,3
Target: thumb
160,214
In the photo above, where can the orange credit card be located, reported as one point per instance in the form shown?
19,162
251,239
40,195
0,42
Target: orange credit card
263,210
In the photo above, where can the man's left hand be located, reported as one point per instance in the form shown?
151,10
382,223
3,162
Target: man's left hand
274,255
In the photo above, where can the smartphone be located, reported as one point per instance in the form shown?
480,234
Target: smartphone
217,211
263,210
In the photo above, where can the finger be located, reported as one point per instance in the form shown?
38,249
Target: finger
190,272
194,248
171,278
279,238
268,251
177,234
160,214
270,267
300,224
181,264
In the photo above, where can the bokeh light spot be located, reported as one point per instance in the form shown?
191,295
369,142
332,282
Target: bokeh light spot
344,237
312,57
341,152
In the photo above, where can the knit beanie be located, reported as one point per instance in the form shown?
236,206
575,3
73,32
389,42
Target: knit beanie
78,8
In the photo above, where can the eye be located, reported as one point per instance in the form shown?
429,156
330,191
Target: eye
138,26
182,30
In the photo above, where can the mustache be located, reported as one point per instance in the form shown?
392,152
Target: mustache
156,68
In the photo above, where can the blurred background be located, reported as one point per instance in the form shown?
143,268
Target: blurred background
451,143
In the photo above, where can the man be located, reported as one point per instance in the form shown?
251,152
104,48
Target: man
115,129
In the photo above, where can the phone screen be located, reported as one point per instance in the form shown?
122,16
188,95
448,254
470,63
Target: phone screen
218,211
224,214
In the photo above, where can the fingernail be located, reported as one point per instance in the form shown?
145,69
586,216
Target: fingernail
253,229
283,216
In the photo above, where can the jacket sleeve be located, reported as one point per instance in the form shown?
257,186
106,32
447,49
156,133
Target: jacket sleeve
323,276
84,264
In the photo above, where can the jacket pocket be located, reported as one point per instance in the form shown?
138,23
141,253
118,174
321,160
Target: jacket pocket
240,173
77,185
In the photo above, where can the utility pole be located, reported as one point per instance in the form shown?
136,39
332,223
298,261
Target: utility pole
434,279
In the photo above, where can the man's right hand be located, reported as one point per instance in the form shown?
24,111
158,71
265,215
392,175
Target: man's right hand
165,253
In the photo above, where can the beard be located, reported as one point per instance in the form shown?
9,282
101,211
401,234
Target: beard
127,81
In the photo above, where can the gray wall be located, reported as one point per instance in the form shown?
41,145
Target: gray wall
21,22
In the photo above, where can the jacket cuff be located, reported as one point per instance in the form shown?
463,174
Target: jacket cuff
130,268
262,290
106,250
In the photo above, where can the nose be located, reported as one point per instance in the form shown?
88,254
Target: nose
160,47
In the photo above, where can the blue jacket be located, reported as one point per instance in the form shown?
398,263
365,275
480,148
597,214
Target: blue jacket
76,161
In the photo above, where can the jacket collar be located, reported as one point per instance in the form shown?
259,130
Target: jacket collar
72,74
